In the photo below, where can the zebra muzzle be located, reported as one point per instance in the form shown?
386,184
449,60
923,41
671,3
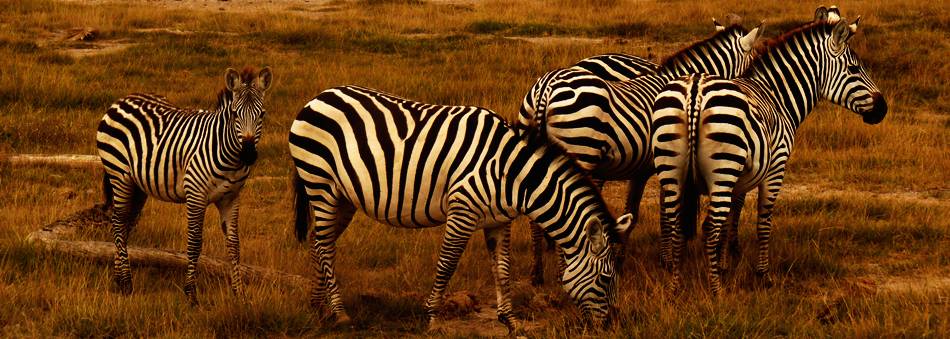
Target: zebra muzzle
877,112
248,152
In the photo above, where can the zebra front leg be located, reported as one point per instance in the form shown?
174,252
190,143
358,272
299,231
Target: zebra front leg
537,250
634,195
732,233
458,229
228,208
497,240
196,205
768,193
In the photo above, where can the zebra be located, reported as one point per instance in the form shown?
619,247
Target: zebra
605,125
151,148
413,165
725,137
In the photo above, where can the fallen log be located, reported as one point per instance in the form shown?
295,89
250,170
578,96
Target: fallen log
102,252
70,160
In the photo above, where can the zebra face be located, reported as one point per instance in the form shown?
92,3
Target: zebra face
247,108
589,277
848,83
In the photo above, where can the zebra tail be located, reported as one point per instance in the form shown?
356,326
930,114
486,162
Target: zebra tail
690,197
690,206
301,209
107,194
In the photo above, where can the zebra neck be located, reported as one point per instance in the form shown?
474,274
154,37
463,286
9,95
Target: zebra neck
789,77
225,140
556,196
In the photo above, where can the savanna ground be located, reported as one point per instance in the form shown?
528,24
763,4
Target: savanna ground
861,244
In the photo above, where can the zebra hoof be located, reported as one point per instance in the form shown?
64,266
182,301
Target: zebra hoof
435,327
122,287
765,279
342,321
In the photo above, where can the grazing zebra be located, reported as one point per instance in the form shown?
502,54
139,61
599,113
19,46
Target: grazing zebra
150,147
605,125
725,137
414,165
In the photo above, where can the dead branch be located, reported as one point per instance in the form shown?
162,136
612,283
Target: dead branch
102,252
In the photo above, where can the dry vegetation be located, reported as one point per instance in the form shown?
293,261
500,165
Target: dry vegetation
862,239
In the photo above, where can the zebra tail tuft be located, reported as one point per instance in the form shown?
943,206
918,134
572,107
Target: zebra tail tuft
301,209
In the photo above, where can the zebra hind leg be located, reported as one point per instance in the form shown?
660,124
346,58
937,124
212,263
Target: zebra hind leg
720,206
732,233
768,193
228,210
329,224
127,202
537,250
498,242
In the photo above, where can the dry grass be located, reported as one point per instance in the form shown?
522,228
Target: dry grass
861,240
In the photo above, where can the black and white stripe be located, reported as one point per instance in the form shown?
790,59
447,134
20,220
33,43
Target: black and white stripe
412,165
725,137
151,148
605,125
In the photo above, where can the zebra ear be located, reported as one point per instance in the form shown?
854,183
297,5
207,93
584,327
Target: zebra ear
719,26
232,79
840,35
595,233
834,15
747,42
821,14
265,78
854,26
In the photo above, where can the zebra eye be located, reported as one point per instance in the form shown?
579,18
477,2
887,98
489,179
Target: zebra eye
854,69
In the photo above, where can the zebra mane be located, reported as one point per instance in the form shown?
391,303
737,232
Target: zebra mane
766,47
670,61
224,99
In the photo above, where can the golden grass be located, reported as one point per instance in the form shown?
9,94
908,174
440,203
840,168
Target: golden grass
840,252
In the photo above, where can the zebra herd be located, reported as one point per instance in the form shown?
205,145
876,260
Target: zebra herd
717,118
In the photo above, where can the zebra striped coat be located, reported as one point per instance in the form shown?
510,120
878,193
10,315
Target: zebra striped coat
151,148
605,125
412,165
725,137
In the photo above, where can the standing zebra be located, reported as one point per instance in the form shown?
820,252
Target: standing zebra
151,148
605,125
725,137
414,165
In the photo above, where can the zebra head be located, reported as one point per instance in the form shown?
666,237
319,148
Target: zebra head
246,109
590,275
846,82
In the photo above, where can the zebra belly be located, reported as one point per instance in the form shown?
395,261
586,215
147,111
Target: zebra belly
162,184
